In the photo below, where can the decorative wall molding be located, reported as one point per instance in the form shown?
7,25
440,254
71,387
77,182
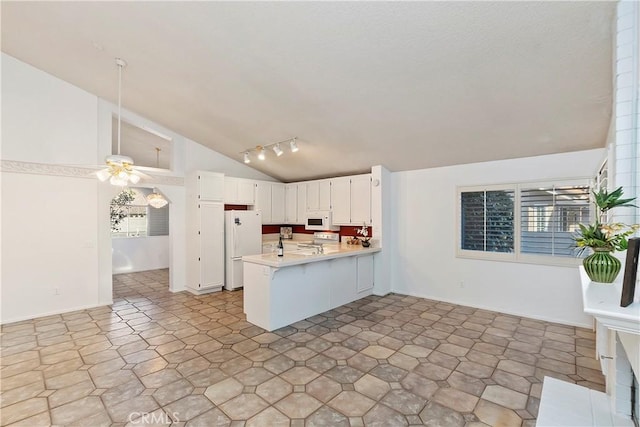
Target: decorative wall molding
14,166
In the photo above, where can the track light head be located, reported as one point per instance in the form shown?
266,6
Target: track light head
261,154
277,150
294,145
246,157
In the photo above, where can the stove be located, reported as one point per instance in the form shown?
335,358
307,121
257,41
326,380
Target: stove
323,238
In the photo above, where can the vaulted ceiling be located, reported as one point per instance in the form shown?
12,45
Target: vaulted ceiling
408,85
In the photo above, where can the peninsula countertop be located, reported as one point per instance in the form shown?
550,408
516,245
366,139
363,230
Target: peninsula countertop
306,256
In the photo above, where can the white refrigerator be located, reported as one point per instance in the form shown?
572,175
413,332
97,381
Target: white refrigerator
243,236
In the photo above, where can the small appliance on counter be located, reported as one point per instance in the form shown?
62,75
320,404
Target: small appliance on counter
286,232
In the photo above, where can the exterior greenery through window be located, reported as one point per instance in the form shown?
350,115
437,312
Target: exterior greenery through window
131,216
487,221
522,222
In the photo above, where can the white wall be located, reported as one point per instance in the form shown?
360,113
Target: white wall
424,258
199,157
131,254
55,227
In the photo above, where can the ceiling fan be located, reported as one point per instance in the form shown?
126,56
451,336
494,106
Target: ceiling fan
120,169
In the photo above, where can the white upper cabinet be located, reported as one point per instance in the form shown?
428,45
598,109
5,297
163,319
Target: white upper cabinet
361,199
319,195
277,203
210,186
291,203
351,200
313,195
325,195
270,199
341,200
302,203
239,191
263,200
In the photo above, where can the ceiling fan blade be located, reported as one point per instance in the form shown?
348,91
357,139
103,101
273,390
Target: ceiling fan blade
142,174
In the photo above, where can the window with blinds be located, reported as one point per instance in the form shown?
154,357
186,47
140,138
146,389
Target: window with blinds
526,222
549,216
487,220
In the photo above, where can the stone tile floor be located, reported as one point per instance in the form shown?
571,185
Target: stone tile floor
160,358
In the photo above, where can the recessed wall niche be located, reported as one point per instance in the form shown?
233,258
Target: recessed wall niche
145,146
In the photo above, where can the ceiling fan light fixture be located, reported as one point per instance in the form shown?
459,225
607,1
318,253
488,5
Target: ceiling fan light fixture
294,145
103,174
134,178
119,168
116,180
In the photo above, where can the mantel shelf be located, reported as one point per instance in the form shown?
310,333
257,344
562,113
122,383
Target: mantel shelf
602,301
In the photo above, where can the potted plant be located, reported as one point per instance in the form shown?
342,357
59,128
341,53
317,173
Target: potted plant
604,238
364,232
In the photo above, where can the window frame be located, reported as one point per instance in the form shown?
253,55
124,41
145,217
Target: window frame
517,256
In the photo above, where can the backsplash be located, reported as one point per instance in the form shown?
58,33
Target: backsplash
299,229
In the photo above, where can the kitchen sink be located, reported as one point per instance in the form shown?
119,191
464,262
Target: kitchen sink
306,252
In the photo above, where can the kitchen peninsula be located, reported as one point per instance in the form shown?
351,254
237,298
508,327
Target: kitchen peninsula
279,291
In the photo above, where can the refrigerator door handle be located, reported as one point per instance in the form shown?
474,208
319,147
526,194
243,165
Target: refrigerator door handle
235,239
236,258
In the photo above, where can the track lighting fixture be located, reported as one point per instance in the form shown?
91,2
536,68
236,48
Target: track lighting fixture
276,147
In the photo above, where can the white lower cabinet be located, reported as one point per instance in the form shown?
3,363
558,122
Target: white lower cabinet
365,272
205,247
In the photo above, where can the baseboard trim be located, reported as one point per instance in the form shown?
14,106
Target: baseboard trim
54,313
512,313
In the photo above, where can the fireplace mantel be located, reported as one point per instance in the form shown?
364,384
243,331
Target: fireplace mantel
602,301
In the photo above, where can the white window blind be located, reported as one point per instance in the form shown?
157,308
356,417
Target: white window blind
549,216
158,221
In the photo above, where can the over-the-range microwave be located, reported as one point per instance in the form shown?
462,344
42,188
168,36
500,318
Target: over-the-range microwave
320,221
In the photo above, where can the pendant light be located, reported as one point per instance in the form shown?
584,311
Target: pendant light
119,170
157,199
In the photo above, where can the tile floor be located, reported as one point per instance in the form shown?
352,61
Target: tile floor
160,358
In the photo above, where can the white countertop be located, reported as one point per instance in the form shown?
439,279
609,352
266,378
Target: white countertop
603,302
296,258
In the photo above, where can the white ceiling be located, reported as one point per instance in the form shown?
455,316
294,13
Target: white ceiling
407,85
